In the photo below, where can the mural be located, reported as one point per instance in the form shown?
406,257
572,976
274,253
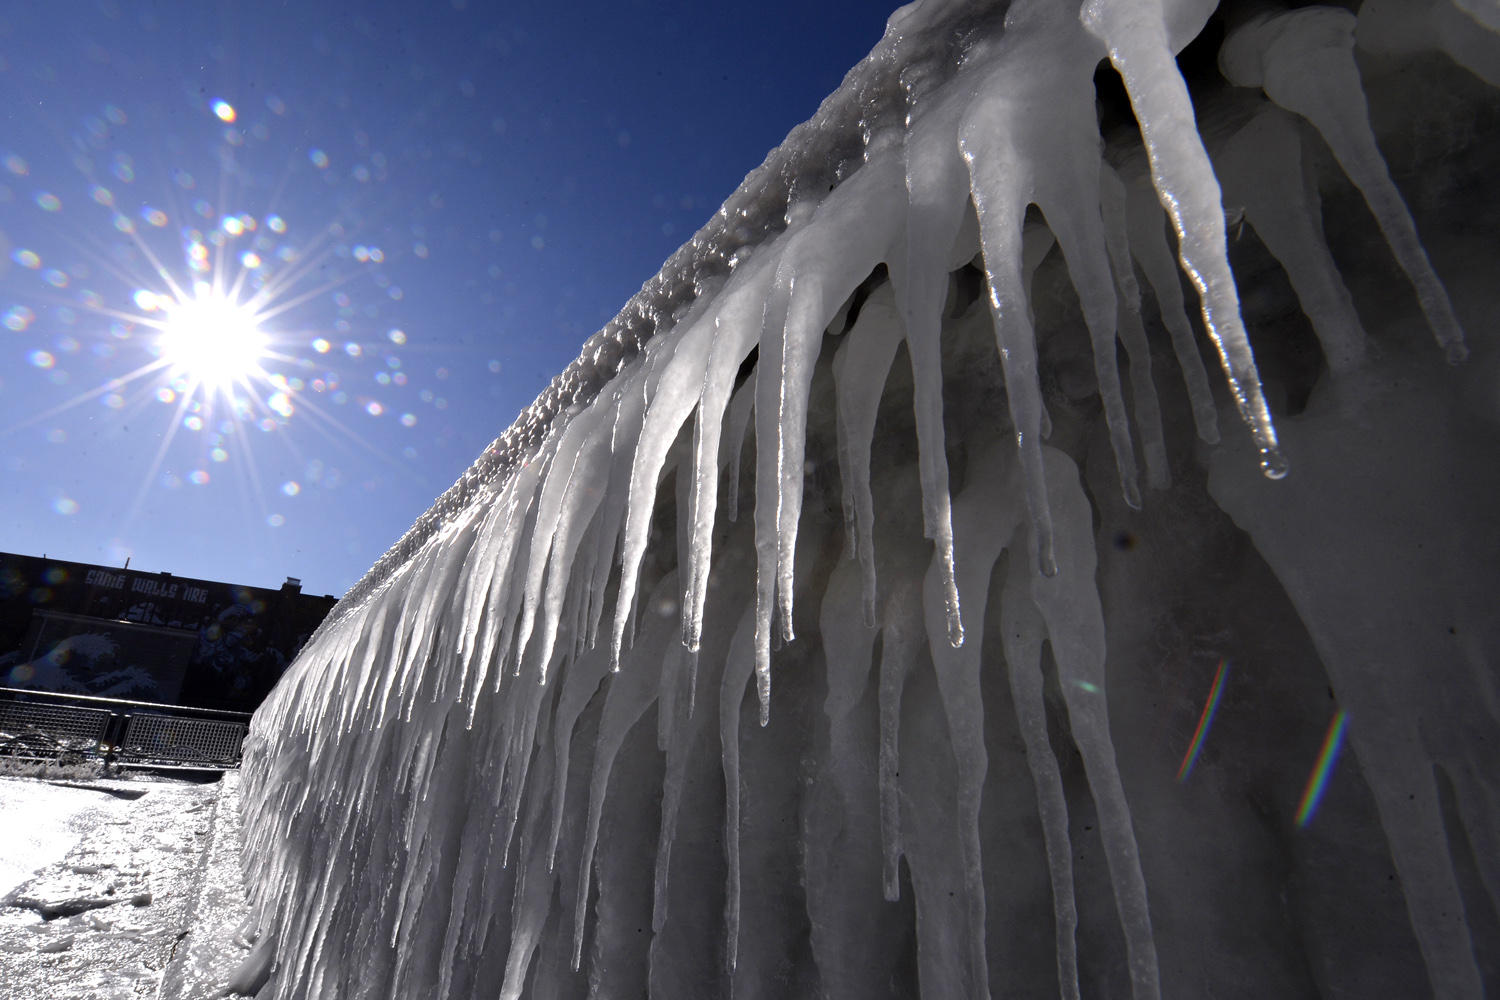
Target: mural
83,629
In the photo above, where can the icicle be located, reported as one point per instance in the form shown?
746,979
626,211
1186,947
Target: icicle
859,370
841,453
1304,60
578,687
902,637
937,186
679,386
569,497
1136,35
1485,12
534,885
1147,409
504,595
740,412
1020,154
983,521
848,644
1000,219
1069,604
849,233
729,592
1401,27
396,822
532,701
632,410
737,670
1260,168
1147,225
1022,627
676,744
631,693
931,847
480,575
1380,564
718,345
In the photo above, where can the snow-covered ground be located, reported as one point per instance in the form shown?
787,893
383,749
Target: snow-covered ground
43,821
115,889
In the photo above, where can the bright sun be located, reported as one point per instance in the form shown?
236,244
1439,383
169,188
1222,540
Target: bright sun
211,339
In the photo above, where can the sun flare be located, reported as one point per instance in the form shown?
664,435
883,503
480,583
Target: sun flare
211,339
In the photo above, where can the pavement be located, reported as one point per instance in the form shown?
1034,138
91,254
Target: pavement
113,889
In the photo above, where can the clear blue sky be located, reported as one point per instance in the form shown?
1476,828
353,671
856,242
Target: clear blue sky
489,181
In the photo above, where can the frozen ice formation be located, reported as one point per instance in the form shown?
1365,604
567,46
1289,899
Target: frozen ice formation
914,724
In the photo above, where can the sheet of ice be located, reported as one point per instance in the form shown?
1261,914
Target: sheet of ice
1385,587
45,823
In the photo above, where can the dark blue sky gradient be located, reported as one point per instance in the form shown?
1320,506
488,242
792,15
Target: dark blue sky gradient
518,172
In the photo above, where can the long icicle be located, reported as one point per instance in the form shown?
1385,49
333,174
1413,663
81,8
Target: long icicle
1135,33
1069,604
737,670
855,228
981,527
1023,630
860,370
1147,228
1132,332
902,638
1304,60
937,188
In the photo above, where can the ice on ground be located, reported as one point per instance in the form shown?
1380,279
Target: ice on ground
145,897
43,822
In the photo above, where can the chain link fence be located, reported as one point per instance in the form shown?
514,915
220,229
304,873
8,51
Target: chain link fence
41,725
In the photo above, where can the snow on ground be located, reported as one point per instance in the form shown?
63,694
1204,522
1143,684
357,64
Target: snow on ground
136,893
43,821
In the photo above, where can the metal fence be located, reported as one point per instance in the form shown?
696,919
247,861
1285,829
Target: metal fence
42,725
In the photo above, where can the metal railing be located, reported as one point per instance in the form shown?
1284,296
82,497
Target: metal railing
46,725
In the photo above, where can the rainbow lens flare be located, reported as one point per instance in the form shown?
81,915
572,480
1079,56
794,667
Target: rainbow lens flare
1204,722
1317,782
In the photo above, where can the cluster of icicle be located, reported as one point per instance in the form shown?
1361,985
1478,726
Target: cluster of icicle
409,779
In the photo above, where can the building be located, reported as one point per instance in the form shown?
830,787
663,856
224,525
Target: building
98,630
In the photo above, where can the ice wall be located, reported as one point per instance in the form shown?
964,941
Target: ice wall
841,622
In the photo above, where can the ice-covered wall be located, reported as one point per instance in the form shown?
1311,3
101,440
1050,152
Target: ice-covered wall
844,624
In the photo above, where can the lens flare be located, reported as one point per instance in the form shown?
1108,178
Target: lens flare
1317,782
211,339
1205,721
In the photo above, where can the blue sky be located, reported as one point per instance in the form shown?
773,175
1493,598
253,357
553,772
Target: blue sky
431,204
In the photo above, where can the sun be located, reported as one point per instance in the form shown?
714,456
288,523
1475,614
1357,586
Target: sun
211,339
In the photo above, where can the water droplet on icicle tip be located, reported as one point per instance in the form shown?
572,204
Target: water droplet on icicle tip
1273,463
955,628
951,601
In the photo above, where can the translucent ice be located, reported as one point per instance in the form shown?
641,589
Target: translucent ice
989,644
1304,60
